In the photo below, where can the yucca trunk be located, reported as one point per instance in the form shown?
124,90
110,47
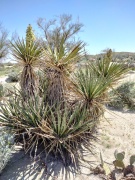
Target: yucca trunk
55,90
29,82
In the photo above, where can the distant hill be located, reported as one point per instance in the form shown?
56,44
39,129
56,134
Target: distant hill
124,55
117,56
127,57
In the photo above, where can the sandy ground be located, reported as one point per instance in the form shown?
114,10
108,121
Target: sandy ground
116,131
3,79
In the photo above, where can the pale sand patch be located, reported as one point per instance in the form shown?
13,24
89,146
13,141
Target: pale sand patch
8,85
117,132
130,77
3,79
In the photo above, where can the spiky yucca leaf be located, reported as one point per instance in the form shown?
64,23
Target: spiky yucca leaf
107,68
26,54
89,85
72,132
61,59
91,89
58,65
63,132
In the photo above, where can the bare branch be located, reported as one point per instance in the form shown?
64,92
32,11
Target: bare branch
58,30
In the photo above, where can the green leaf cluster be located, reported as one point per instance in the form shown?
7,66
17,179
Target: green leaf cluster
61,131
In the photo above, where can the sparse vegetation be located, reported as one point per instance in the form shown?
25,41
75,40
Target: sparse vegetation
6,69
123,97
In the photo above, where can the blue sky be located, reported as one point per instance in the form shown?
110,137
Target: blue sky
107,23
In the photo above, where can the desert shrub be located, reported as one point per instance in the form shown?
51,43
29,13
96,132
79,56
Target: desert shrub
123,97
6,147
13,77
91,90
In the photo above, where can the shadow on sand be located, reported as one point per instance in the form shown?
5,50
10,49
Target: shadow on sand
22,167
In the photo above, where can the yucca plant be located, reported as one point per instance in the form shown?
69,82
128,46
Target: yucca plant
91,90
28,56
107,68
23,117
94,80
60,56
57,70
63,133
72,134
